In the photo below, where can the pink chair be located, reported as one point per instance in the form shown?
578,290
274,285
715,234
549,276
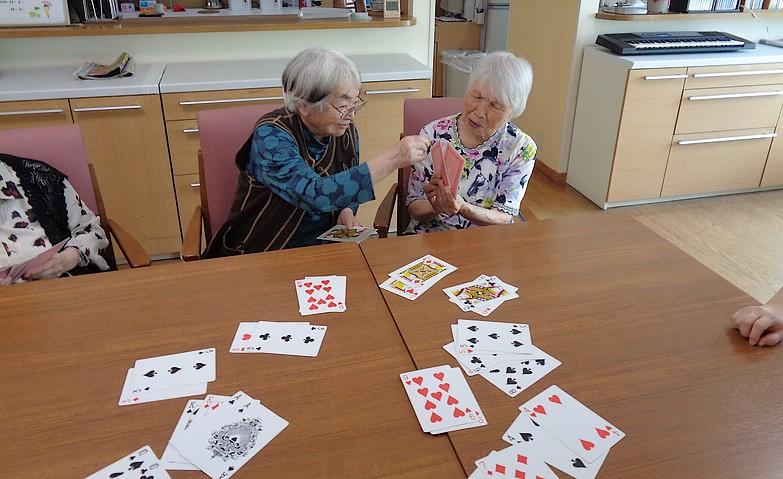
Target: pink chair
221,134
62,147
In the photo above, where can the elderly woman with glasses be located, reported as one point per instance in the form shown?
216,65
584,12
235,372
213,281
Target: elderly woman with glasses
498,156
299,172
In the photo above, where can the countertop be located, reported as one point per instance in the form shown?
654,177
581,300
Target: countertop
760,54
233,75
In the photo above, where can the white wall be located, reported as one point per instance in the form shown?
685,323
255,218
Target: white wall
416,41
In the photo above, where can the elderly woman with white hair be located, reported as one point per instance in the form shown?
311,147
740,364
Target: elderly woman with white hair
299,172
498,156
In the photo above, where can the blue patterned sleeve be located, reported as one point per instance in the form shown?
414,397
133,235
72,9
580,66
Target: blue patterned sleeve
276,162
514,178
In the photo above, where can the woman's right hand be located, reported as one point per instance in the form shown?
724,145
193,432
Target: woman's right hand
412,149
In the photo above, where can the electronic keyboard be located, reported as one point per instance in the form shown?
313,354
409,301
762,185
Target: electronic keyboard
672,42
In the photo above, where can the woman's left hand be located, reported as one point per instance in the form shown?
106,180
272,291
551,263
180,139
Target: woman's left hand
441,198
347,219
58,264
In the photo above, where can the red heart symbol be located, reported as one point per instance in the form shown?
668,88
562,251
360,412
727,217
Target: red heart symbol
555,399
435,418
332,304
246,336
329,296
308,284
452,400
309,291
608,428
325,281
321,301
587,445
312,307
317,286
311,300
437,395
532,414
417,380
408,383
327,288
429,405
458,412
423,391
439,376
601,433
445,386
540,409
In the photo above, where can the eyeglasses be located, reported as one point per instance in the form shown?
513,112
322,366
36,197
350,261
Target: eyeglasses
346,111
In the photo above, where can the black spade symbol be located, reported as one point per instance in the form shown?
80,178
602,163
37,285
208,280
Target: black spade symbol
116,474
526,371
149,374
493,335
174,369
526,362
540,362
511,381
230,468
472,340
264,336
308,340
147,388
516,331
526,436
577,462
135,465
286,338
473,328
199,366
510,370
517,344
475,360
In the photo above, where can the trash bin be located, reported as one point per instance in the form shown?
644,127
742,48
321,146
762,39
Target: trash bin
459,64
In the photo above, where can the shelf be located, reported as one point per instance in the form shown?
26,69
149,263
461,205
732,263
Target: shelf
685,16
163,25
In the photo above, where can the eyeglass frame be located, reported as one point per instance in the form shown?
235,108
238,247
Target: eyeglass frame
348,110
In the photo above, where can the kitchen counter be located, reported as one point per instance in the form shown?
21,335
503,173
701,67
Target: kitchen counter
760,54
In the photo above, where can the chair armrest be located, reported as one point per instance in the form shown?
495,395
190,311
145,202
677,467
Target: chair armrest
384,214
191,244
131,249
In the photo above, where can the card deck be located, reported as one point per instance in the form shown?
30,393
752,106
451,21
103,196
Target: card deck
344,234
17,272
492,337
136,465
448,163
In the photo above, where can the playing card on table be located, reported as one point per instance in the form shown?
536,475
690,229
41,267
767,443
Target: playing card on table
441,399
423,272
482,295
136,465
517,461
401,288
472,364
584,432
244,336
492,337
345,234
514,376
552,451
294,339
174,370
321,294
128,397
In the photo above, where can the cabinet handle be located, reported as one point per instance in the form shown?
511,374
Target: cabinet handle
190,130
388,92
229,100
195,185
31,112
736,74
666,77
760,136
109,108
736,95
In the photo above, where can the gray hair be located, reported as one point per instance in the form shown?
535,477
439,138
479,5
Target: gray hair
508,77
313,74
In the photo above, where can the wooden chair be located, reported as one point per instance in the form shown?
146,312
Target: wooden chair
63,148
221,134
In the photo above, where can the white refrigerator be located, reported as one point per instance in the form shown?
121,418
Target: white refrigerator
14,13
495,29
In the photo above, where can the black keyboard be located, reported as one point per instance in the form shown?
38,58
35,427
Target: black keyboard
672,42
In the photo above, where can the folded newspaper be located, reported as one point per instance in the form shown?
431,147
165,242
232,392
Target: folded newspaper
121,67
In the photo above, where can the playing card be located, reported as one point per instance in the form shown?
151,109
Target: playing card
400,288
453,165
517,461
438,166
345,234
472,364
128,397
438,407
244,335
482,295
460,389
572,423
174,370
423,272
495,337
514,376
136,465
16,272
226,439
552,451
321,294
287,338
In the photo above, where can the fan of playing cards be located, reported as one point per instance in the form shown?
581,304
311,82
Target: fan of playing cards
168,377
320,294
295,339
482,295
416,277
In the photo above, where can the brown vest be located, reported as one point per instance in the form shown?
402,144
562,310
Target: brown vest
259,219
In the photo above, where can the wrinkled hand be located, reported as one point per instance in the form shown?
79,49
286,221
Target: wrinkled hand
58,264
347,219
412,149
762,325
441,198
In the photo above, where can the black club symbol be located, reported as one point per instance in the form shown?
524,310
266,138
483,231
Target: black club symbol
475,360
286,338
308,340
264,336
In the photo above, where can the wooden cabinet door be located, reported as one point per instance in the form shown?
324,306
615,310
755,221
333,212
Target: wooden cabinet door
126,143
652,99
380,125
773,171
183,146
31,113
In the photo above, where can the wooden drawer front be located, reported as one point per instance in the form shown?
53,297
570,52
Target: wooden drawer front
185,106
773,171
717,165
719,109
183,146
734,75
188,197
27,114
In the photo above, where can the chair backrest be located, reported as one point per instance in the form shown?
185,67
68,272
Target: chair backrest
221,134
417,112
59,146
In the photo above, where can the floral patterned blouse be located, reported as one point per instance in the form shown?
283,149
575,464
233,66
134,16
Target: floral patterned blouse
495,174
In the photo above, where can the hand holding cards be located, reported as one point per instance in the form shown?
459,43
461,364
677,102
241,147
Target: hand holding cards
447,163
320,294
295,339
416,277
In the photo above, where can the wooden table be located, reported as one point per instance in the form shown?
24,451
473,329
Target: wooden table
66,345
641,329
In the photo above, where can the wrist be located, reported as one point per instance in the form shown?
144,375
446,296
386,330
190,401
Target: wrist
78,258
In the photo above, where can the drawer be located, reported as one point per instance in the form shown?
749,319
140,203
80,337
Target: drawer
734,75
183,146
185,106
736,108
188,197
31,113
713,162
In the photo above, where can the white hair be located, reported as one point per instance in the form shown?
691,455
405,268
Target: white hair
313,74
507,77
